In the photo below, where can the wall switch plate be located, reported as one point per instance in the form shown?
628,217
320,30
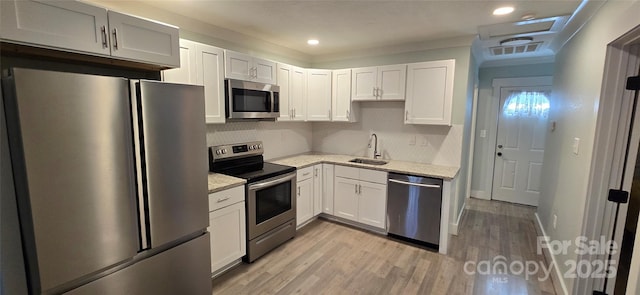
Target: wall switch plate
412,140
576,145
483,133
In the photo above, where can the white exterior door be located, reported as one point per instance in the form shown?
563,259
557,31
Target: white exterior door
522,127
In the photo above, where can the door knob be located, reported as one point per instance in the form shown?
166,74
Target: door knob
499,146
499,154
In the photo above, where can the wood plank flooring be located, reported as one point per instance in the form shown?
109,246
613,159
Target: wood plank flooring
330,258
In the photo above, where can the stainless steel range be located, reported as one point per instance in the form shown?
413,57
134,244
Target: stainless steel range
270,194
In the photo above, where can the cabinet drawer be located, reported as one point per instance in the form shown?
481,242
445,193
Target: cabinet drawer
347,172
305,173
373,176
225,198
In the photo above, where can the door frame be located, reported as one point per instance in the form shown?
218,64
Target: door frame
498,84
610,141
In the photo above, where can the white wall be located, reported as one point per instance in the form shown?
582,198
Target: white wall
487,116
280,139
574,104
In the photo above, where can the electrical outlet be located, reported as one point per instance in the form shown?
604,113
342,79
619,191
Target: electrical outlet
412,140
555,221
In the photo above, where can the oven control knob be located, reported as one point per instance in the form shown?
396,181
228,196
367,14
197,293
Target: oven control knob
218,152
260,146
255,147
224,151
250,147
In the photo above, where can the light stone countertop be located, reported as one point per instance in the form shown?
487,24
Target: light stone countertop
219,182
419,169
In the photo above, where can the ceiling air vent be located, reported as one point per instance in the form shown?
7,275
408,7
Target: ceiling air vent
518,49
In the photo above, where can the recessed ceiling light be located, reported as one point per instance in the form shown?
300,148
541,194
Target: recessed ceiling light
503,10
516,41
313,42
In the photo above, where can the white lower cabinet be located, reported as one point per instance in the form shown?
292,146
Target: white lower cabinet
318,189
345,201
227,226
304,195
304,201
327,189
360,195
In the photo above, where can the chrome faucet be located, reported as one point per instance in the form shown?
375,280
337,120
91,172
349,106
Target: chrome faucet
375,148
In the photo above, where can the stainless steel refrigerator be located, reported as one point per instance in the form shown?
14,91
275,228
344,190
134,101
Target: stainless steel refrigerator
110,180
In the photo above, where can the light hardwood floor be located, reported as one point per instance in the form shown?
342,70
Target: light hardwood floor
330,258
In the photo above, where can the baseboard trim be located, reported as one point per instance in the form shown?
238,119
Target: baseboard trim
453,227
480,195
557,275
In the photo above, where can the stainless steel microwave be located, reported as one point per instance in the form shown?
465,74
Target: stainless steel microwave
251,101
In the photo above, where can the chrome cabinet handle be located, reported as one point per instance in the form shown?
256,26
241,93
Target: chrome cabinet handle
103,30
222,199
360,189
115,38
305,174
379,93
315,172
348,115
298,191
406,115
356,187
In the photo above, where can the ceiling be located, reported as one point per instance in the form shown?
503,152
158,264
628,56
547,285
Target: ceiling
346,26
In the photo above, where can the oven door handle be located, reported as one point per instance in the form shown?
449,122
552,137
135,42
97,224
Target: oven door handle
277,180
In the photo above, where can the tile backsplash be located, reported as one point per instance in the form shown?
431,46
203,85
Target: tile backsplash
440,145
280,139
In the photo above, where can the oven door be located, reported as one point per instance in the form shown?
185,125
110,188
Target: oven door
250,100
271,202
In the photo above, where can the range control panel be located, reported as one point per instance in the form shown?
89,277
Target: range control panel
220,152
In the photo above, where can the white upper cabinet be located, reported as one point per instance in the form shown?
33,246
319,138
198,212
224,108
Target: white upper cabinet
68,25
202,64
318,95
341,106
379,83
292,82
186,73
141,39
245,67
430,93
80,27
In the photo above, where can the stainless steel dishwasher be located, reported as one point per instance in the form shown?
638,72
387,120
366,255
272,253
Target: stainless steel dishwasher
413,208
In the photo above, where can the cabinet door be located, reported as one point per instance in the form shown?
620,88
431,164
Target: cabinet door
345,200
264,71
391,82
227,228
304,201
372,204
284,81
210,74
143,40
341,97
70,25
317,189
363,83
187,72
297,98
318,95
238,65
327,188
429,93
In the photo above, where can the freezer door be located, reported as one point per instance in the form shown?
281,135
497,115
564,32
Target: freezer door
175,164
70,139
184,269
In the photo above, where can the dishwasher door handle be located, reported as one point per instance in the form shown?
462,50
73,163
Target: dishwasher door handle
416,184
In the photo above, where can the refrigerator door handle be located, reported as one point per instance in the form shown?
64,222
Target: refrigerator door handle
137,143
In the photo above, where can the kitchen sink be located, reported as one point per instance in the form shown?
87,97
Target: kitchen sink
368,161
